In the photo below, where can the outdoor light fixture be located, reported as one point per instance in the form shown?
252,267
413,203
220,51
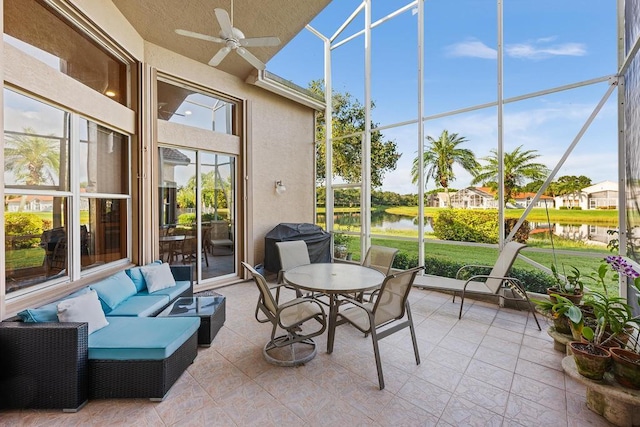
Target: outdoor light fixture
280,188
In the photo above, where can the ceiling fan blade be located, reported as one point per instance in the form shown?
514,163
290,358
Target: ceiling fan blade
225,22
259,41
250,58
218,57
199,36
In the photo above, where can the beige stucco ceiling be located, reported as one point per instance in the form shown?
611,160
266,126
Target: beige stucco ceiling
156,21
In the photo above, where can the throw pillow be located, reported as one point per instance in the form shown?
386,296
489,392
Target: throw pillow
85,308
47,312
158,277
136,275
114,289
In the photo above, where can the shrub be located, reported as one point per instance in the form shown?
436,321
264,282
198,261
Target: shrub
26,229
190,218
464,225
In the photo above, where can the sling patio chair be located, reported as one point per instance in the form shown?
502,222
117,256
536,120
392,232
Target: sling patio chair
296,346
380,258
385,315
292,254
491,284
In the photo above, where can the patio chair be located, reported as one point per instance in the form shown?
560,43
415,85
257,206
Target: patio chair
490,284
386,314
380,258
292,254
296,346
220,237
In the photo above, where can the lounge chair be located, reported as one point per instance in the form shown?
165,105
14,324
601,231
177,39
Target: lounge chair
490,284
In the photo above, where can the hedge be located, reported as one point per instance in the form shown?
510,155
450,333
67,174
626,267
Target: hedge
465,225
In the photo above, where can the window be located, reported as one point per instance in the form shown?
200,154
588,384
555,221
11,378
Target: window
185,106
35,29
55,219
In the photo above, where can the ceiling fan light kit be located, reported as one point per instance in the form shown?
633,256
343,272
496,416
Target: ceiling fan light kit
233,39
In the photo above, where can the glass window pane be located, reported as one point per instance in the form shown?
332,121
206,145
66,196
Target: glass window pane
103,231
104,154
34,29
36,149
36,240
185,106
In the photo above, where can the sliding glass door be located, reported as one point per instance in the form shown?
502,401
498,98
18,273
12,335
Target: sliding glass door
197,211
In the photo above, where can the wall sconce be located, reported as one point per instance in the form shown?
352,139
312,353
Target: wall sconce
280,188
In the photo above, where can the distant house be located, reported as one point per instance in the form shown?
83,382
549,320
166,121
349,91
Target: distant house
597,196
474,198
30,204
485,198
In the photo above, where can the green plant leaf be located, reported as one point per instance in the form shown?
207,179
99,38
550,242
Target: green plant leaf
588,333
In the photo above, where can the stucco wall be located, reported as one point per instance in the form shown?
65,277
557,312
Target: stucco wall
279,141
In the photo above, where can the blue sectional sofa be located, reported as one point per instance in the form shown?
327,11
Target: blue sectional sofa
52,364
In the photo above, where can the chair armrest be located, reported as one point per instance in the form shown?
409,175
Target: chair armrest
298,301
464,267
503,278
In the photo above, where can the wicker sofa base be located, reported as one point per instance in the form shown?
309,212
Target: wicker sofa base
140,378
43,365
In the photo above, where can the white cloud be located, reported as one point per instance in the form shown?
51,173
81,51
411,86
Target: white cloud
471,48
538,49
533,51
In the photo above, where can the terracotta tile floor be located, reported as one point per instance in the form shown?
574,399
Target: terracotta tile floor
493,367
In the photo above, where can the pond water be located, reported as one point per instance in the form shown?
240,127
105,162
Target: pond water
589,233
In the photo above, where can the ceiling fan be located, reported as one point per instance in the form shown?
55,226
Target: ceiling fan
233,39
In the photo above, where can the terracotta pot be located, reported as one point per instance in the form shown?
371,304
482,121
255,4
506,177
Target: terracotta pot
574,298
562,325
626,367
592,365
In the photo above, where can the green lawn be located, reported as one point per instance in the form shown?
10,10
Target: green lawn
565,216
587,260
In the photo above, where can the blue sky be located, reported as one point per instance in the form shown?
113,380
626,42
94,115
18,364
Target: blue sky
547,44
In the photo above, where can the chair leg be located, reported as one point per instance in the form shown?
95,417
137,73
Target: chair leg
461,304
413,333
376,352
533,311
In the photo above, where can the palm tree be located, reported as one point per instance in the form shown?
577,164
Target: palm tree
572,186
518,168
33,159
439,157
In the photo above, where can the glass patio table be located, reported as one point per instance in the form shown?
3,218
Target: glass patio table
333,279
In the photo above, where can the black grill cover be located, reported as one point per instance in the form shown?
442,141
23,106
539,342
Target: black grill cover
318,243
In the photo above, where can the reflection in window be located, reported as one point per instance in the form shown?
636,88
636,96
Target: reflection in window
103,159
36,239
36,150
34,29
103,231
39,245
185,106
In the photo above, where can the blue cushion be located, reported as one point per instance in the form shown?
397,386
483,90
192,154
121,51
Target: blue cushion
113,290
136,276
47,312
141,306
142,338
173,292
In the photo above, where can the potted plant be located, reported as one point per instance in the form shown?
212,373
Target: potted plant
340,241
570,286
626,360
